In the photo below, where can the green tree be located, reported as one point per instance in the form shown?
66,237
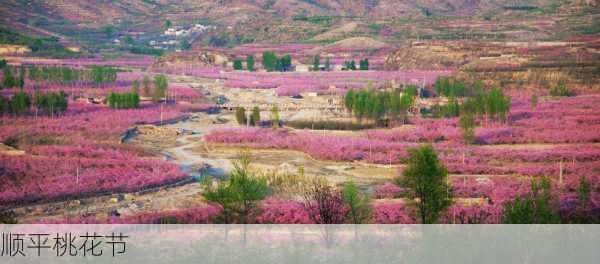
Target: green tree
112,100
534,101
160,87
101,75
168,24
224,196
426,179
250,63
269,60
467,125
9,79
21,80
240,116
255,116
359,209
20,102
185,44
129,40
135,100
109,31
52,102
4,105
349,100
275,117
237,65
146,85
406,102
316,63
583,191
123,100
239,195
364,64
497,105
352,65
452,109
135,87
538,208
286,63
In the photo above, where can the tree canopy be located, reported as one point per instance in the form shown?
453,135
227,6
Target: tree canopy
426,178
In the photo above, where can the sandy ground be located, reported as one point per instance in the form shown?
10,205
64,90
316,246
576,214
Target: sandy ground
192,153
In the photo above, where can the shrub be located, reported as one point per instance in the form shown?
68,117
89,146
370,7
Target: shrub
561,90
8,217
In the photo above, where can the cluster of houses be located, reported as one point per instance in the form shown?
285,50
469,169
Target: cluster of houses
174,36
187,32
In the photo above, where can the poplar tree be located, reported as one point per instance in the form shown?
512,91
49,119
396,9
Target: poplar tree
426,178
250,63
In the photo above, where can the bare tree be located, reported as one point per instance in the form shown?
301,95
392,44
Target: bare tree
324,204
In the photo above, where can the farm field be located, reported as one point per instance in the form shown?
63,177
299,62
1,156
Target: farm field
311,118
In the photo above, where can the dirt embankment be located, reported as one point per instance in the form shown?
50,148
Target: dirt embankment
191,58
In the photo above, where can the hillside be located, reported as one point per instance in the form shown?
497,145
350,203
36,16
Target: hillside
96,24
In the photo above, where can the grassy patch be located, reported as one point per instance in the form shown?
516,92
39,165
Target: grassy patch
317,20
39,46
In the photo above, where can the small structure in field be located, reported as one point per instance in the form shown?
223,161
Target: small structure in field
302,68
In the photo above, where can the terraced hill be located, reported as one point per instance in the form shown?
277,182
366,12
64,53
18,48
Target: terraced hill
321,21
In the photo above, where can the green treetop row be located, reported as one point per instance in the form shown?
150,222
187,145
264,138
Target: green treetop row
376,105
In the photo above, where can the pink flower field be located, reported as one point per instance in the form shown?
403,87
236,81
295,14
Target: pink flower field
79,153
292,83
496,169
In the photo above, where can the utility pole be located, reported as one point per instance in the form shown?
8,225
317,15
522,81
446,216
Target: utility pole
560,175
